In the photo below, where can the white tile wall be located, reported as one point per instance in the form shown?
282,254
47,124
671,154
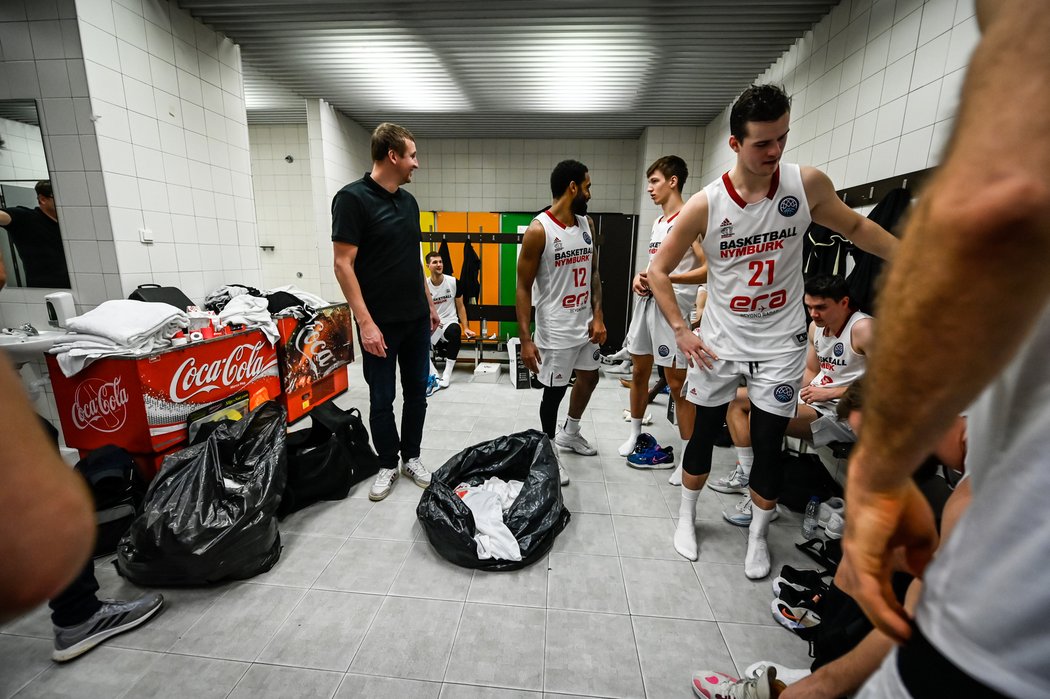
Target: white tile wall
891,117
22,157
284,206
502,174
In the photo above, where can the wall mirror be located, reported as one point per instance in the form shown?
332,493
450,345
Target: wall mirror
30,237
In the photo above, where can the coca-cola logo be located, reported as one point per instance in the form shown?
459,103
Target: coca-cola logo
238,368
313,348
100,405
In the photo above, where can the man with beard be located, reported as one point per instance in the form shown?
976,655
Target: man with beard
558,269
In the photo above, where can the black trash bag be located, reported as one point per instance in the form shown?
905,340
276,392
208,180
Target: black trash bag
209,514
327,459
536,517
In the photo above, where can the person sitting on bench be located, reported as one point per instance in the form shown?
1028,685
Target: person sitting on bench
448,300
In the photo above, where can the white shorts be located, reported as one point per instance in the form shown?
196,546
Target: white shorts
886,682
828,428
772,384
556,365
651,334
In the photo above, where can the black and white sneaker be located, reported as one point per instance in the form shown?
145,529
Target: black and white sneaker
113,617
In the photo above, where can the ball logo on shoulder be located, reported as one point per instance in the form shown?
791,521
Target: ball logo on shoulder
784,393
100,405
587,237
664,350
597,353
839,349
788,206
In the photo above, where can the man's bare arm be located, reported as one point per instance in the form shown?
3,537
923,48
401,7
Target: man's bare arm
371,337
698,274
47,520
5,219
532,244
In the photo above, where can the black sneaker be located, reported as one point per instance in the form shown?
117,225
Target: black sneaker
112,618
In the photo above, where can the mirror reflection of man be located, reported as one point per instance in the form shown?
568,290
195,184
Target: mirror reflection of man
35,236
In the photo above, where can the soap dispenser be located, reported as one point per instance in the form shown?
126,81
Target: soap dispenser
59,308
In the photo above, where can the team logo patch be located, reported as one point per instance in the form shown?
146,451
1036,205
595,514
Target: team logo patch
587,237
557,243
664,350
784,393
839,349
597,353
726,228
801,338
788,206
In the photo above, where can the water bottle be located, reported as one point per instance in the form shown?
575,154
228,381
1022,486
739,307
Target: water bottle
811,520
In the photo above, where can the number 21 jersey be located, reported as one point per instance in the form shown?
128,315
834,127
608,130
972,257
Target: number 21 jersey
754,260
562,291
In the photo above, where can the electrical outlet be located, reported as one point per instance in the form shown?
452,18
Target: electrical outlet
146,235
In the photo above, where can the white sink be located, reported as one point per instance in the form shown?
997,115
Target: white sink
21,348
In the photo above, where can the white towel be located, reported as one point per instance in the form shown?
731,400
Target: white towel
311,300
251,311
128,322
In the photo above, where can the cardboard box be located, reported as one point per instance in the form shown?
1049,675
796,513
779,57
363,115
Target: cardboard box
487,372
314,352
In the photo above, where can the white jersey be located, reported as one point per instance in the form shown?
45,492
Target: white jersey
754,269
840,364
444,295
562,291
986,595
685,293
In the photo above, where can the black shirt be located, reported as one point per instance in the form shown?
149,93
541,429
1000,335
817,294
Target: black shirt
38,242
385,229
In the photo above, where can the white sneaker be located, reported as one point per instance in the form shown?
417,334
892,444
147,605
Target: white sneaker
828,508
575,442
383,483
735,482
787,675
414,469
710,684
676,476
836,526
740,513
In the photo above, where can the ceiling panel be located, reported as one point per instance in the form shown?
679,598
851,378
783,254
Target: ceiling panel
539,69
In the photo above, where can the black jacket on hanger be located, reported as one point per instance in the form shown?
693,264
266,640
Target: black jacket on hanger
446,259
865,275
469,282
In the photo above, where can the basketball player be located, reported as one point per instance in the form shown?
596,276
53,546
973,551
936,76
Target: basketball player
751,221
649,337
448,300
558,270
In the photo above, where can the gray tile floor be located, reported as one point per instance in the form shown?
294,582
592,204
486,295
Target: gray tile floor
360,605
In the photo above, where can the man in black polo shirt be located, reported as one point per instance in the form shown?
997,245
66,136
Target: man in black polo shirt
376,236
35,236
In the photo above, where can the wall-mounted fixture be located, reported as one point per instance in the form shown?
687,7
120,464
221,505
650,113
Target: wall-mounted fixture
289,159
266,248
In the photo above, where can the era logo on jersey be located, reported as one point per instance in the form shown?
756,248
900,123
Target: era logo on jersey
587,237
664,350
788,206
784,393
746,304
839,349
576,300
726,228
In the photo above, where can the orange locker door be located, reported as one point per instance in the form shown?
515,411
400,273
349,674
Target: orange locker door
455,222
489,253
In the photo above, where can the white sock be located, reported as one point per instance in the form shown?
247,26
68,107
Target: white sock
756,562
572,425
676,475
636,429
685,532
745,457
449,366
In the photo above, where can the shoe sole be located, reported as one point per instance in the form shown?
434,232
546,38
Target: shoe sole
741,523
575,450
651,467
382,496
729,490
416,480
78,649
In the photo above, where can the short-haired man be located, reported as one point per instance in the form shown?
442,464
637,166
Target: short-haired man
752,221
448,300
649,337
837,356
558,270
376,237
35,236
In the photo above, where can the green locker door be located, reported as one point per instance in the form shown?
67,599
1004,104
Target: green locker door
508,265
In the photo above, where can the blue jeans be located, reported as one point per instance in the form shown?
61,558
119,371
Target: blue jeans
407,346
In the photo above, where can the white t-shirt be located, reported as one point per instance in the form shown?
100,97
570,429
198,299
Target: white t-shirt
986,597
754,269
562,290
444,295
684,293
840,364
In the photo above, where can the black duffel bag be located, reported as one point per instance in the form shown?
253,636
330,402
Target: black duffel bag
327,459
209,514
117,492
535,519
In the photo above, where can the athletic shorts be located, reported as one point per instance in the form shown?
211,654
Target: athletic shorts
772,384
651,334
556,365
828,428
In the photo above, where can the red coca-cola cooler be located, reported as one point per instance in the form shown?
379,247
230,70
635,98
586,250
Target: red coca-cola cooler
142,403
313,354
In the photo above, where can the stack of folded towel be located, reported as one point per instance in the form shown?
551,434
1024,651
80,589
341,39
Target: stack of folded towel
252,312
122,327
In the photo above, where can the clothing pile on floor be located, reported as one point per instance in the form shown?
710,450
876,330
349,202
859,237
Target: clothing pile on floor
488,502
121,327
